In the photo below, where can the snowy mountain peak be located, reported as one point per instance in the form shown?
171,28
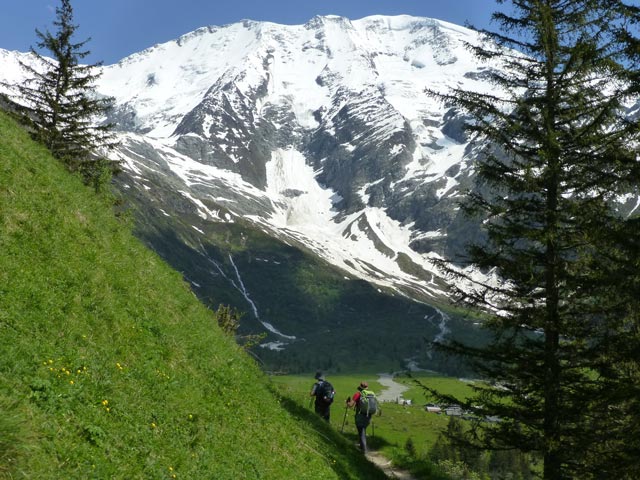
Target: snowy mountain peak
320,22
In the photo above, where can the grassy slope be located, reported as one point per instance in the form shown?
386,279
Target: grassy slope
109,366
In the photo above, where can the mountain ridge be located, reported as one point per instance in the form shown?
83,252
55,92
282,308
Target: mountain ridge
225,103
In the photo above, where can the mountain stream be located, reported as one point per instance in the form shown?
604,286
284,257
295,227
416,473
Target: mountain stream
243,290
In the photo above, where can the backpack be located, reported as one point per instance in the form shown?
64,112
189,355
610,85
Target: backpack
368,403
325,392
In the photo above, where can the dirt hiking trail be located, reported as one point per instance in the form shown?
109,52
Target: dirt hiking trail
384,464
392,392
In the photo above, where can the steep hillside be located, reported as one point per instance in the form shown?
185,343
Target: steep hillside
110,367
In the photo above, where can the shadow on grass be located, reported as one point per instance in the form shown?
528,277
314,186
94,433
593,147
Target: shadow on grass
340,453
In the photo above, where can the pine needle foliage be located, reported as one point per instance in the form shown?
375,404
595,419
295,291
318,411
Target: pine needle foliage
62,106
561,153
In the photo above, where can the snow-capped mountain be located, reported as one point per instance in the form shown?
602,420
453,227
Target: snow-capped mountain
320,135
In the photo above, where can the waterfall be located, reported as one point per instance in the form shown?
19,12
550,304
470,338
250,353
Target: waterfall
244,292
442,325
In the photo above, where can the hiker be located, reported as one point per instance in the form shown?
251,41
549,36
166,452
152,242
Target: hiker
324,393
366,405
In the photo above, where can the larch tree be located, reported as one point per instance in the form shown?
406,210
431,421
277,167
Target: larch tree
62,106
561,154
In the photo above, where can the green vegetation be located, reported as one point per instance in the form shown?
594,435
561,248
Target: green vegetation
62,103
414,439
111,368
398,424
560,155
459,388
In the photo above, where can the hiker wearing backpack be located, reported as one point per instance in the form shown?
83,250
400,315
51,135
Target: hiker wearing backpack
366,405
324,393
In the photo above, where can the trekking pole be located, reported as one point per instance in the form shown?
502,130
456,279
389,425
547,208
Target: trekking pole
344,419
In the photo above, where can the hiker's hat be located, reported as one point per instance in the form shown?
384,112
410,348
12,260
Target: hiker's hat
363,385
319,375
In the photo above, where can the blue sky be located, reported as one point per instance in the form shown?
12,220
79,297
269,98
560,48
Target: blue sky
121,27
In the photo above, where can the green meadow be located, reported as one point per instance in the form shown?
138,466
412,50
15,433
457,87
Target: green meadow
398,423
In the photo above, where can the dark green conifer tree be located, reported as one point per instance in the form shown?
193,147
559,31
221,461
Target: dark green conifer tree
63,107
616,409
561,152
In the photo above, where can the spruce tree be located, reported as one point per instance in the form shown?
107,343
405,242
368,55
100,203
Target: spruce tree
560,153
62,106
616,418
